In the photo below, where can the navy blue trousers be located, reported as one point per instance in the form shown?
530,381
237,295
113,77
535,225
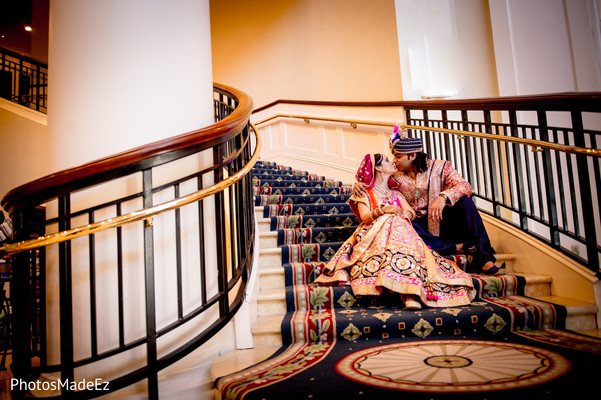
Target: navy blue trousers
460,223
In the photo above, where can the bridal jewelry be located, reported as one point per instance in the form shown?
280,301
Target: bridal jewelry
416,193
384,191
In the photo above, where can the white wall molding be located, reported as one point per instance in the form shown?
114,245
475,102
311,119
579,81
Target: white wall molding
331,148
24,112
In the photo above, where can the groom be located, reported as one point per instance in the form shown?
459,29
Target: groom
447,219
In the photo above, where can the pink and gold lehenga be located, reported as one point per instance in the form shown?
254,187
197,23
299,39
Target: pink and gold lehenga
388,253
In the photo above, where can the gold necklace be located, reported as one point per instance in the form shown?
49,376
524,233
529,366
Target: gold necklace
385,191
416,192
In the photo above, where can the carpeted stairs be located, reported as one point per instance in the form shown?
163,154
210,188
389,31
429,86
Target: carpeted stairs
312,219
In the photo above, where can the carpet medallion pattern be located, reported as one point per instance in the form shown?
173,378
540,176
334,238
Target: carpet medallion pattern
452,366
465,368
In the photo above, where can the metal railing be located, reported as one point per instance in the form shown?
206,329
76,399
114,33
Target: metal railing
536,145
209,219
23,80
539,176
549,189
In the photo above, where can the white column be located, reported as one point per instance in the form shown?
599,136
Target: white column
546,46
125,73
445,48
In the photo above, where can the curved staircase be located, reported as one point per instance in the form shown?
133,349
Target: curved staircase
303,219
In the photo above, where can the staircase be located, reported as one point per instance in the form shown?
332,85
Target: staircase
303,219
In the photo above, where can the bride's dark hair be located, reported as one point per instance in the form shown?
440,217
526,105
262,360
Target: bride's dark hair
378,159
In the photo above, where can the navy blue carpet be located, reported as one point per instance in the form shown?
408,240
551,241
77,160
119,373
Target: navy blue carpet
336,344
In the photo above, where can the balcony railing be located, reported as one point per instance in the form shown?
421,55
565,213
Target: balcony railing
23,80
179,241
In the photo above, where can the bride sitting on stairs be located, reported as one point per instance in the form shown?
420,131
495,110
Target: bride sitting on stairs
385,253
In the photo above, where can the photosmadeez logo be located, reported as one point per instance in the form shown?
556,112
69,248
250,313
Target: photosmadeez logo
47,386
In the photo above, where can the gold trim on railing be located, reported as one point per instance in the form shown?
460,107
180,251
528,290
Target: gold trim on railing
146,214
536,145
352,123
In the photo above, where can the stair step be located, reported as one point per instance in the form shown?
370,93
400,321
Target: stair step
266,331
581,316
272,302
272,278
271,257
259,212
272,297
269,239
264,224
537,285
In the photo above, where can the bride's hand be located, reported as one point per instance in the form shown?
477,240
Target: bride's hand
392,209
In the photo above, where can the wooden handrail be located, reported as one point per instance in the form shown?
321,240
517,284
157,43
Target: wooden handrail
145,214
42,189
555,101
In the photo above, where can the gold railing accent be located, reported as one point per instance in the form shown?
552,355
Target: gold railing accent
307,120
536,145
146,214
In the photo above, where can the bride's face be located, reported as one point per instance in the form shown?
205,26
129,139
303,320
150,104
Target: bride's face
386,166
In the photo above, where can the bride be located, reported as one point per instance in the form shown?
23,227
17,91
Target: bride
385,253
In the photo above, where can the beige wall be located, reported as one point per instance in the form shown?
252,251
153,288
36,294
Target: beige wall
24,140
307,49
331,149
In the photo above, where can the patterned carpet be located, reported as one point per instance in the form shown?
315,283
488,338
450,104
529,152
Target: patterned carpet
550,364
352,347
